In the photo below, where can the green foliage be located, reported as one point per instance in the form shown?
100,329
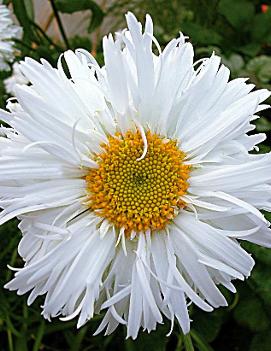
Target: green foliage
67,6
208,325
261,342
259,70
252,307
202,35
238,13
23,9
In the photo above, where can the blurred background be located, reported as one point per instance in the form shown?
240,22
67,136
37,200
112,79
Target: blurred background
240,32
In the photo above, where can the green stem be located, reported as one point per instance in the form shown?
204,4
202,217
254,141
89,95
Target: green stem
22,43
78,340
201,344
60,25
180,343
50,41
234,303
10,341
39,336
188,343
11,328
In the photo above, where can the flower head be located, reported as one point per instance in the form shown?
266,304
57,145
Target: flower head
8,31
133,182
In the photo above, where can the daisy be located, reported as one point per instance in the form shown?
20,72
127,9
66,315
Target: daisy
133,182
17,77
8,31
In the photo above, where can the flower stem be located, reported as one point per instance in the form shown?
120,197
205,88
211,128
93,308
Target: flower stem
188,343
200,342
42,32
60,25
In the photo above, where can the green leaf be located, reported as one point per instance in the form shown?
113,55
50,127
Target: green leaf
201,35
260,280
68,6
208,325
261,67
130,345
263,125
238,13
263,149
267,251
262,283
22,11
261,254
261,26
29,8
252,307
251,49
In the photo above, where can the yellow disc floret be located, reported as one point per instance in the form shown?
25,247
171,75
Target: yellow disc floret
138,194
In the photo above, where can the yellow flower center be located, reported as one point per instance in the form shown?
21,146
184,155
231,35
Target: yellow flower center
138,194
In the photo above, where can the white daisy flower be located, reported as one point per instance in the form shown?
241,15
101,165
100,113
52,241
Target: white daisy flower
8,31
17,77
133,182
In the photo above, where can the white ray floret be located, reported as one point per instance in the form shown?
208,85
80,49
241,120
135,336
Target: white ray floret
8,32
16,78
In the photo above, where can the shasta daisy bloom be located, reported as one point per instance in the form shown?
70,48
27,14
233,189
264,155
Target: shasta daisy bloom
8,31
133,182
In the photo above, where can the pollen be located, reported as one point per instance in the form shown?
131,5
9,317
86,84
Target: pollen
138,195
